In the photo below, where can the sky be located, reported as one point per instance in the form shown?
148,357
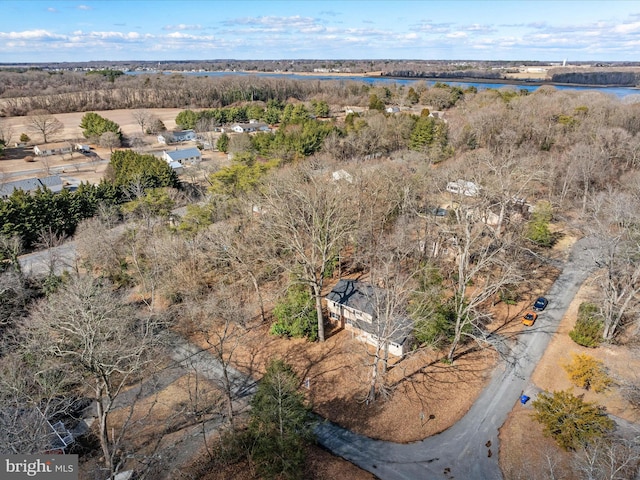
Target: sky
576,30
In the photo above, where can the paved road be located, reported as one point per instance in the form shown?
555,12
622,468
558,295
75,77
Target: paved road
469,449
61,258
68,168
56,259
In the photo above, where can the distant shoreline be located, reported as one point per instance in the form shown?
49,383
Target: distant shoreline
379,74
508,81
511,81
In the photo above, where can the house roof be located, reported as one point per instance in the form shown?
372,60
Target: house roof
353,294
183,133
53,183
361,296
250,126
177,155
53,146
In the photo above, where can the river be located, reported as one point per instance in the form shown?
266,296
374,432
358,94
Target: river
617,91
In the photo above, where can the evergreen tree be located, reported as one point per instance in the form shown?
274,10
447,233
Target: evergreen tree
223,143
280,424
129,167
569,420
93,126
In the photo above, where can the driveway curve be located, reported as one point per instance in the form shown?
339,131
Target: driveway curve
469,449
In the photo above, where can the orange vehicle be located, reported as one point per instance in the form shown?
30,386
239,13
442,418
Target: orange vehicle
529,318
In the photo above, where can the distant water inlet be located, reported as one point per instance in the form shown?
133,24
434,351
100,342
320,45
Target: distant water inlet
617,91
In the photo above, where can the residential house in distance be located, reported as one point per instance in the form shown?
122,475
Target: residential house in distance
250,127
352,306
354,109
463,187
58,148
186,156
342,175
53,183
176,136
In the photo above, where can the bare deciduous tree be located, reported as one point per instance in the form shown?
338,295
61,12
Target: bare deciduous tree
6,133
481,268
308,220
607,459
613,223
44,123
143,118
89,331
388,298
221,319
33,392
110,140
239,245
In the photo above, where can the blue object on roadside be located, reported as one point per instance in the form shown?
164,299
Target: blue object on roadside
524,399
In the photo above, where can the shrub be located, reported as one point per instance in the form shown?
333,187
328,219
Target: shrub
538,228
587,372
296,315
569,420
437,328
588,329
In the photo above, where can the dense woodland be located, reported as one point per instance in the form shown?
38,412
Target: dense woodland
275,225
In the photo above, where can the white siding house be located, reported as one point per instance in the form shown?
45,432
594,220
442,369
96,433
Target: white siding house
463,187
187,156
250,127
52,149
177,136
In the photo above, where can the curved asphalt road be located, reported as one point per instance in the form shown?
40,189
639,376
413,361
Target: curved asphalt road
469,449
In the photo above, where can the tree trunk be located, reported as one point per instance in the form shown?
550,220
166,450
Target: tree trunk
318,297
256,287
103,431
454,346
371,397
227,389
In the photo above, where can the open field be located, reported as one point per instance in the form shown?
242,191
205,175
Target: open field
80,167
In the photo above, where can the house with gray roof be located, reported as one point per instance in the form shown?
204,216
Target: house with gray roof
53,183
250,127
58,148
186,156
177,136
354,306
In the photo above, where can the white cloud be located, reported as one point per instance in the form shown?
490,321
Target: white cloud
182,27
52,10
457,35
31,35
627,28
84,7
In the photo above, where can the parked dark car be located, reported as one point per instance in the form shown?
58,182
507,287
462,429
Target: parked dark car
540,304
